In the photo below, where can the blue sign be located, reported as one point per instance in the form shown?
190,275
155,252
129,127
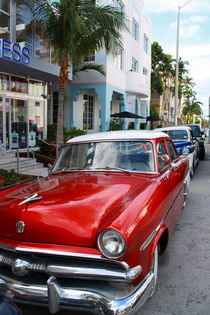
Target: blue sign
13,51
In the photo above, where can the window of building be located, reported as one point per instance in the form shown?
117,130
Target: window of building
88,112
19,85
118,59
36,88
4,25
146,43
5,5
135,30
145,71
29,33
4,82
91,57
120,6
135,65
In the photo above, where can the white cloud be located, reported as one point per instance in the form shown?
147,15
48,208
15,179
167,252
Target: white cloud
159,6
189,27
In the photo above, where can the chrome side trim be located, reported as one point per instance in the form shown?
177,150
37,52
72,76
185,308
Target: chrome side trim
151,236
154,232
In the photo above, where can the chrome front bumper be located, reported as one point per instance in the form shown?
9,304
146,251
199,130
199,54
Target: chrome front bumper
56,297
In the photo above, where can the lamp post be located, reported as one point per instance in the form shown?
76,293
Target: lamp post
177,65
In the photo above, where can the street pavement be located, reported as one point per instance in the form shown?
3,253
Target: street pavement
183,286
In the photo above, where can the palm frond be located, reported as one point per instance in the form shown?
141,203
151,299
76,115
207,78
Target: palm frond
84,67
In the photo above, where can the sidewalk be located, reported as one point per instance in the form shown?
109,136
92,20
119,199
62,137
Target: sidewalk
28,166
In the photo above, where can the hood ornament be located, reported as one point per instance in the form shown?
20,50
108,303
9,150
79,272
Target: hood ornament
30,199
20,226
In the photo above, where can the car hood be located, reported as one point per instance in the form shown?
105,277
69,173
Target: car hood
71,208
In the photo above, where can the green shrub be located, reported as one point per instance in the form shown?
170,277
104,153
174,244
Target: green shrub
11,177
47,152
114,124
71,133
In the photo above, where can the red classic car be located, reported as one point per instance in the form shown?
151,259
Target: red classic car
88,235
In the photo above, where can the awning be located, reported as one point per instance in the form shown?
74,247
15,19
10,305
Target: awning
126,115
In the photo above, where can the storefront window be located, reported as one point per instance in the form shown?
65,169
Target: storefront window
4,82
4,23
36,122
18,123
1,120
36,88
5,5
19,85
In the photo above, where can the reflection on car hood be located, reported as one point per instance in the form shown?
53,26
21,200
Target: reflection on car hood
71,206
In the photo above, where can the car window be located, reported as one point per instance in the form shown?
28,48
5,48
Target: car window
172,151
178,134
161,152
129,155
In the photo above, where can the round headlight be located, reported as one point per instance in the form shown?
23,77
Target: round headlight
111,244
185,151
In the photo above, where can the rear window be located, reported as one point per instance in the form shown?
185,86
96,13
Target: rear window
195,131
178,134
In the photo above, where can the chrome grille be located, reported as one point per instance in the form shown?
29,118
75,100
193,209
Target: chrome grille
25,263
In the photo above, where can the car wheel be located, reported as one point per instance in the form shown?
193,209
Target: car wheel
154,269
191,172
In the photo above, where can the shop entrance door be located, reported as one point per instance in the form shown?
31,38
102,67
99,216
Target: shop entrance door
27,122
22,122
5,117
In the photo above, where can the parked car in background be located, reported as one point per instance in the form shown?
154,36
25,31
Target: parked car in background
184,143
88,235
7,307
197,134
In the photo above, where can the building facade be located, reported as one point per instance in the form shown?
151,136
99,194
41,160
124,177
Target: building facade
26,77
29,78
126,86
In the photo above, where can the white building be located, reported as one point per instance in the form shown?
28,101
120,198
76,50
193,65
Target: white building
126,86
28,79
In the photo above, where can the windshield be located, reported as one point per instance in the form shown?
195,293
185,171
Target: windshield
115,155
178,134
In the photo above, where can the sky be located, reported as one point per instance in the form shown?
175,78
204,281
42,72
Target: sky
194,38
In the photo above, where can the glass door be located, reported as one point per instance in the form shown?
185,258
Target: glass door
19,126
1,119
4,121
36,121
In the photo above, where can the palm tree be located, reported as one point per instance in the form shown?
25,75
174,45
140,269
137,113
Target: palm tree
191,108
76,28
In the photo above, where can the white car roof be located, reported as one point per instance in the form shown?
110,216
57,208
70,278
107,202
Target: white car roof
173,128
120,135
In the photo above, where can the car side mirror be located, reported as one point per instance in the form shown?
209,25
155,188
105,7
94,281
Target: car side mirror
49,166
173,167
164,158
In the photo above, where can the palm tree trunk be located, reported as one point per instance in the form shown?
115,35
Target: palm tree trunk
63,80
60,121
